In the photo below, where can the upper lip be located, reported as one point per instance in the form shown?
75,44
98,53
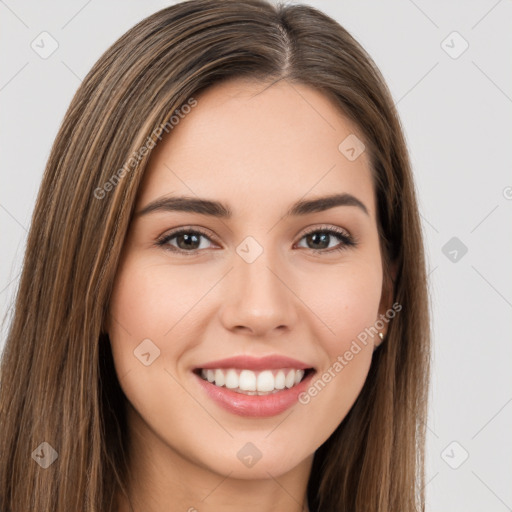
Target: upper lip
271,362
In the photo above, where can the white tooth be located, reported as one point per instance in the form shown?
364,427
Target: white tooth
231,379
279,380
265,381
203,373
298,376
219,378
247,380
210,375
290,379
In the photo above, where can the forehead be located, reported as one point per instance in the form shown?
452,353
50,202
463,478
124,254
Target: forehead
248,142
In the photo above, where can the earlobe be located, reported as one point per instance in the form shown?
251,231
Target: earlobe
386,302
377,345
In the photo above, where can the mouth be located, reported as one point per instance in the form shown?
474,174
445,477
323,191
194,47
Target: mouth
254,386
254,383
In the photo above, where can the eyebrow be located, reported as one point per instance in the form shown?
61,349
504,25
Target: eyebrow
220,210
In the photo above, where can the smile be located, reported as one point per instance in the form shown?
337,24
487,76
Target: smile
256,387
251,382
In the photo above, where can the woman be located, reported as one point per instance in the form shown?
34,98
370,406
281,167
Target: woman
223,302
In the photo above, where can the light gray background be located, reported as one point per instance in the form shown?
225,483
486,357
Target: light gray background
456,114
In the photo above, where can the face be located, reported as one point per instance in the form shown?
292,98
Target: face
223,326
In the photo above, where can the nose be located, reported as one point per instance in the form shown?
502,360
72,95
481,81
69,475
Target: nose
258,298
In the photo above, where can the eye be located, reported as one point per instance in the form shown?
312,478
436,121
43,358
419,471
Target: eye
321,237
188,241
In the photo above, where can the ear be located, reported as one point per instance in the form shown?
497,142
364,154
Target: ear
386,300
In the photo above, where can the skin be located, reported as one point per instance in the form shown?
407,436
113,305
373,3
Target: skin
258,149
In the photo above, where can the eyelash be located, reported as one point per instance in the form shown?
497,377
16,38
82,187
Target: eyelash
347,240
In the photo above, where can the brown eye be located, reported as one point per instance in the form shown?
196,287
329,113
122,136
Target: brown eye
186,241
189,241
320,240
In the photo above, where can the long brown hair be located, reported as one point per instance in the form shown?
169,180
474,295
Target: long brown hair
58,384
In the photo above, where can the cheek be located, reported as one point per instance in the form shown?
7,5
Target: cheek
146,308
135,305
156,302
358,311
347,304
347,360
141,308
149,301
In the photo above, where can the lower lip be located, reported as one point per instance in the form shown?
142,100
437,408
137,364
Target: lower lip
255,405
